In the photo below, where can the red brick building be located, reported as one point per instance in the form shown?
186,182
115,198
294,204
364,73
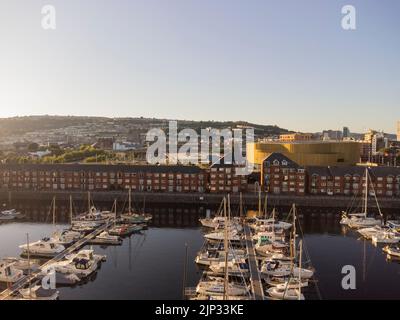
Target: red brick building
280,175
384,181
223,179
102,177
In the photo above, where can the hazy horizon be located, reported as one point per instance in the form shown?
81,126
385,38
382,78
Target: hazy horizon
178,119
281,63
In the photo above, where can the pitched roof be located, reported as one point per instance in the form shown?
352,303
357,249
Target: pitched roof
341,171
384,171
318,170
282,159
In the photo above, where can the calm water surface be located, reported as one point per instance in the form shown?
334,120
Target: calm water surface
150,265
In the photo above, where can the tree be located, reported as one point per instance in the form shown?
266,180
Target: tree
33,147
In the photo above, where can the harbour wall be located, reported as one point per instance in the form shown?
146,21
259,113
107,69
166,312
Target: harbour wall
312,204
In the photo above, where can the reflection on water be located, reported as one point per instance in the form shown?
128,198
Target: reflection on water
149,265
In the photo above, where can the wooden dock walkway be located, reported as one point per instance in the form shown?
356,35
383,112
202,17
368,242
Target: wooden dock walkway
6,294
255,279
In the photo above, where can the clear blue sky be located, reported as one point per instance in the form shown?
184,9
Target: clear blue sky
285,62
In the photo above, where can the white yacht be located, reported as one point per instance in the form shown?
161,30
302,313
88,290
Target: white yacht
269,236
364,222
86,254
285,294
66,237
106,238
45,248
9,273
212,223
367,233
82,264
276,257
93,216
238,268
361,219
387,237
270,224
84,226
233,236
23,264
36,292
266,247
208,257
80,267
280,269
216,287
10,215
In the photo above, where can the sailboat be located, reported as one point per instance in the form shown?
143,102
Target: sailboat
285,268
361,220
229,231
235,267
9,273
287,290
267,224
218,222
369,232
123,229
217,287
132,217
271,242
233,236
64,237
221,287
22,264
92,217
209,257
106,238
386,237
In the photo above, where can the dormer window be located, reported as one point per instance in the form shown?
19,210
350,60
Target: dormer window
276,163
284,163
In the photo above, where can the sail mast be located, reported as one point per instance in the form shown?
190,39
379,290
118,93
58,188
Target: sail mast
241,205
300,261
273,223
70,208
294,231
54,211
226,253
130,201
366,192
29,264
265,206
89,202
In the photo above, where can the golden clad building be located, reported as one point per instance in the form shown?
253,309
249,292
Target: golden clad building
307,153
